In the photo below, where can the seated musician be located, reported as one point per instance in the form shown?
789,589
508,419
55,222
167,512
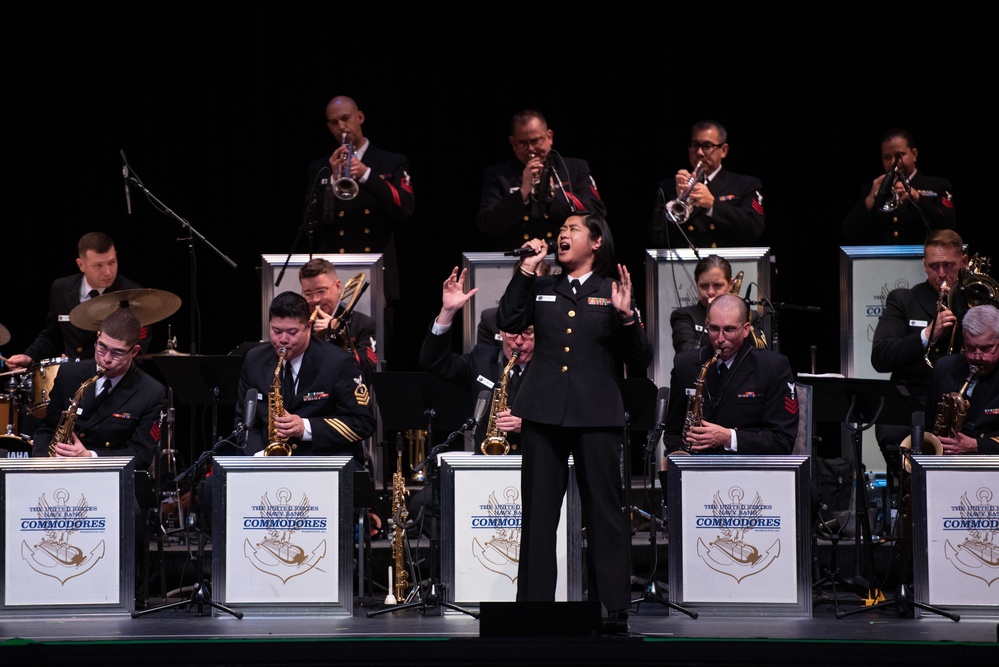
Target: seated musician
953,383
325,402
322,288
748,399
713,276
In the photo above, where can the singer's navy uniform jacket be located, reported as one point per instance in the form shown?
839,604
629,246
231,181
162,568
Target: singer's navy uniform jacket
904,225
60,336
504,216
736,219
982,419
330,393
477,370
757,398
126,424
367,222
579,349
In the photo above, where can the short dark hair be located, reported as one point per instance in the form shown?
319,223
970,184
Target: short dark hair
901,134
524,116
707,124
713,262
604,259
123,325
99,242
291,305
946,238
316,266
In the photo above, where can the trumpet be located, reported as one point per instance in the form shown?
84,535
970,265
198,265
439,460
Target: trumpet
893,201
542,184
678,210
943,303
345,187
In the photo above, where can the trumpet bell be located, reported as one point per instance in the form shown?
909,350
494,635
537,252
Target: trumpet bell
931,446
345,188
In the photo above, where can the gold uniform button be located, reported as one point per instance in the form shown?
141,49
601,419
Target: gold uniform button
895,233
690,228
546,216
340,214
342,232
711,226
527,237
79,350
565,369
566,349
367,249
107,444
526,218
572,313
342,251
568,331
367,230
549,235
895,220
367,211
714,245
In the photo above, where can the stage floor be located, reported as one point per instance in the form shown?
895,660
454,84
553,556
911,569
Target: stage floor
181,636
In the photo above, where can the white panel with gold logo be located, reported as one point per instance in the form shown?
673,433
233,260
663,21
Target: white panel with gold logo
281,530
480,531
956,547
739,534
68,536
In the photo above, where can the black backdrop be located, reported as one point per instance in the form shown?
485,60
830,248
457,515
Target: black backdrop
219,112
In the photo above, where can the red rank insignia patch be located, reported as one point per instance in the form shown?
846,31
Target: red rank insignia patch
758,203
154,432
791,405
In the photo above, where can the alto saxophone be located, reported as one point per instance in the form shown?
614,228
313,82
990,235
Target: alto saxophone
276,445
495,442
64,430
953,408
695,403
400,514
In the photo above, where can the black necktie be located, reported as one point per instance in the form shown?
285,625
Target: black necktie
288,383
105,392
93,294
514,383
575,284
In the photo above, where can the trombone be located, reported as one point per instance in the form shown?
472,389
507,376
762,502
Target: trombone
345,187
943,303
678,210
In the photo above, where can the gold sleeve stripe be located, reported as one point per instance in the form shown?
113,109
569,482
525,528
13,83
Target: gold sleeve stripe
344,430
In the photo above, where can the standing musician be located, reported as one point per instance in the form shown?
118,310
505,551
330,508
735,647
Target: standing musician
322,288
586,326
911,204
979,433
98,264
327,407
749,404
482,367
531,194
918,326
118,415
726,208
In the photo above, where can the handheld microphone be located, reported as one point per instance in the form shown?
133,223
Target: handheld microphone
528,251
124,175
887,184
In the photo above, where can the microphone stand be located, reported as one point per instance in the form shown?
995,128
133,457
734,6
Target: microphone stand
435,600
310,222
652,592
774,309
201,593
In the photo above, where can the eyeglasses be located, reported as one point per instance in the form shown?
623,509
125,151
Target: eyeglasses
705,146
105,351
728,331
526,335
531,143
319,293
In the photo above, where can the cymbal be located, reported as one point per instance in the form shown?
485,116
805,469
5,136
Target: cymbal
164,353
4,335
149,305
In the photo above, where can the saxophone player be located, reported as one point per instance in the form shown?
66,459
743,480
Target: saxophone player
979,433
117,415
327,406
750,403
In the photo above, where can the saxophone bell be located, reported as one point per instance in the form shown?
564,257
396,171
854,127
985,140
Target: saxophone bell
495,442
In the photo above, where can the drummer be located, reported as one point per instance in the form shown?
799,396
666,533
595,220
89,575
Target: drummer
98,264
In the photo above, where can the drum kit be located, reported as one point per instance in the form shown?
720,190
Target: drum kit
26,392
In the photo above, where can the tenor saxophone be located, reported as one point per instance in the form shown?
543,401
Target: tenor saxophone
495,442
67,421
695,403
276,445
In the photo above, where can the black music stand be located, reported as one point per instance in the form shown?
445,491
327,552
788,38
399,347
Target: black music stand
639,396
405,399
859,404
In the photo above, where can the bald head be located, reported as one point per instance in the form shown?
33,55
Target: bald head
728,324
343,117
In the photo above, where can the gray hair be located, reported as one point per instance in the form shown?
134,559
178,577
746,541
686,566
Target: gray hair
980,320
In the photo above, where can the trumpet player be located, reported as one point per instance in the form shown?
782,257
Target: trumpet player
979,433
725,209
322,288
327,406
902,205
918,326
522,199
750,401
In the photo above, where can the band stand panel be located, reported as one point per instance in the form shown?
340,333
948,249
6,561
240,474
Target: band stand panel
955,509
739,535
282,530
480,530
491,273
670,284
68,539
